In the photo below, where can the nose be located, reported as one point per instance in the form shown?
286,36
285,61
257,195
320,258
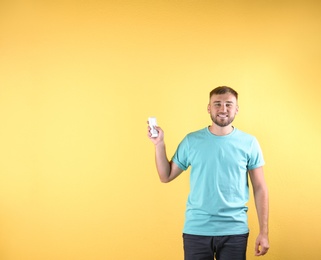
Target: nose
223,108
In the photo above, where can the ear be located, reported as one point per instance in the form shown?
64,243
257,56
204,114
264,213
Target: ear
209,108
237,109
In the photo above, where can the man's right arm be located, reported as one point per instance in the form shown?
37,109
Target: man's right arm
167,170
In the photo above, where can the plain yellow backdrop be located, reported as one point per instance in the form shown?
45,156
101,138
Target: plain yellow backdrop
78,80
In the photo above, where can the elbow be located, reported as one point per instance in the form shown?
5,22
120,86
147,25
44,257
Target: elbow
164,177
262,194
164,180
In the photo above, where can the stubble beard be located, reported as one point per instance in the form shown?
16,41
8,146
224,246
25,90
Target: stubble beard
222,122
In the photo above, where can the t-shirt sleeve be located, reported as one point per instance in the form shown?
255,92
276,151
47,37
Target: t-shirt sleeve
181,155
256,156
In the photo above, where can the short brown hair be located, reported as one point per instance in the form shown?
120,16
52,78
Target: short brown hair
223,90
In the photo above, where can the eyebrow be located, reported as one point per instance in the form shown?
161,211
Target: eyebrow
230,102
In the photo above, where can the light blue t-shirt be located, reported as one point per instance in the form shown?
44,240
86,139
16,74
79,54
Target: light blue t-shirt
219,190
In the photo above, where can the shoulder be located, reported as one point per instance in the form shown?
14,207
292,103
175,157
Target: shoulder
194,137
243,135
246,140
198,133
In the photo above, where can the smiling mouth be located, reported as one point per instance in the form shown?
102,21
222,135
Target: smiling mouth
222,116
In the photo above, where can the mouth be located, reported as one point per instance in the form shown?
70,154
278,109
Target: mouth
222,115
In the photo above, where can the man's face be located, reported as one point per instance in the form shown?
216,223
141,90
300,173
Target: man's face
222,109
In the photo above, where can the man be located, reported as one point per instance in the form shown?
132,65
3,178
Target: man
221,158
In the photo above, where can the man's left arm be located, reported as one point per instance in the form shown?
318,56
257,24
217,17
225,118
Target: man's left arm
261,198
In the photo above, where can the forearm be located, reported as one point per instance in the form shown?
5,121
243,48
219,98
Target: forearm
261,198
162,164
166,169
262,208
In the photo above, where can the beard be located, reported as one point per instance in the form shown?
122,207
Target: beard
222,121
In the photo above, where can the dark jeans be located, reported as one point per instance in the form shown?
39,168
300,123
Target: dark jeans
222,247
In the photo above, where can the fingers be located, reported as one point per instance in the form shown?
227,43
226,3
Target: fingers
148,130
160,134
261,248
261,252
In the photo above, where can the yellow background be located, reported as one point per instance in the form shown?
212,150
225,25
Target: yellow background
78,80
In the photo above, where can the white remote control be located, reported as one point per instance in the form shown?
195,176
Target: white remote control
152,123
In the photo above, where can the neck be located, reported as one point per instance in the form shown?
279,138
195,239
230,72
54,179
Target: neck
221,130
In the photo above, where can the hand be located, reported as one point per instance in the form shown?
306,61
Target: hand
159,138
261,245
